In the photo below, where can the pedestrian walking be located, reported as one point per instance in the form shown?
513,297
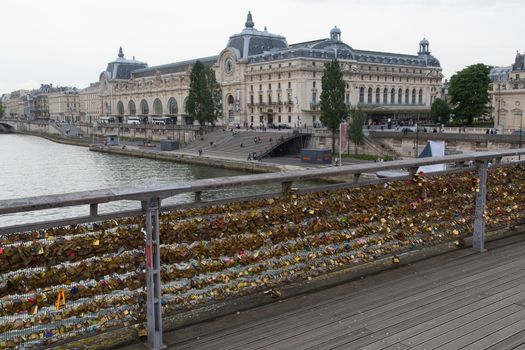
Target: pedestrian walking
249,156
200,152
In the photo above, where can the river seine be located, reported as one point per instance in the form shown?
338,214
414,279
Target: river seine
33,166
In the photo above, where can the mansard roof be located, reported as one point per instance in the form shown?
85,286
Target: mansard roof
500,74
252,42
519,62
329,48
176,67
121,68
324,49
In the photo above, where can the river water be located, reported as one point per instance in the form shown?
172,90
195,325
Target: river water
33,166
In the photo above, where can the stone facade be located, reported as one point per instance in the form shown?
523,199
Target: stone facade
16,104
266,80
4,100
89,103
64,105
507,92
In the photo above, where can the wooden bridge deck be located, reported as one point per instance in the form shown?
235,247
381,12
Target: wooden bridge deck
459,300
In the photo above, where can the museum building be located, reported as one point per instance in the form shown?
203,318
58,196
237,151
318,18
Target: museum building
266,80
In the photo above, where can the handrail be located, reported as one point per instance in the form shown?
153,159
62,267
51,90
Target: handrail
8,206
151,198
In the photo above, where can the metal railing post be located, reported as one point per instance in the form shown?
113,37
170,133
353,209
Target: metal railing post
478,240
286,188
151,208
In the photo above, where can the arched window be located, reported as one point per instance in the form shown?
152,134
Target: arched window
230,100
378,95
420,99
132,108
157,106
172,106
144,109
370,95
400,96
385,96
413,96
361,95
185,105
120,108
407,96
393,96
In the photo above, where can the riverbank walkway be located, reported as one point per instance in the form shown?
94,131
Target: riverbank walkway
458,300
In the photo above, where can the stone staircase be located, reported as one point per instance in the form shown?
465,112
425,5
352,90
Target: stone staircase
371,146
238,145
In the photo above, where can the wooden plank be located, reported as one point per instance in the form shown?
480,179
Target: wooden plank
390,316
447,323
466,280
363,296
305,323
398,346
515,341
407,320
497,336
518,347
314,326
425,330
482,332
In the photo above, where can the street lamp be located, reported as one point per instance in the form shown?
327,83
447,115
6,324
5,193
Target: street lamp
518,114
417,140
499,103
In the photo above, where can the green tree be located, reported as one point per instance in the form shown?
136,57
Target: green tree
333,109
355,129
204,100
469,92
440,111
2,111
216,95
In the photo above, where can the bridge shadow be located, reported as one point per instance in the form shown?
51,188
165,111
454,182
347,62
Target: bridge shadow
6,128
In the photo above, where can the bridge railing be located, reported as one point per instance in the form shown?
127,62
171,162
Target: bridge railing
77,276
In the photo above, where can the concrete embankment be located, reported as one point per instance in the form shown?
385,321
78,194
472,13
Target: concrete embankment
55,138
255,167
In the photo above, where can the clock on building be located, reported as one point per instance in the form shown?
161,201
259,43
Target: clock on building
228,65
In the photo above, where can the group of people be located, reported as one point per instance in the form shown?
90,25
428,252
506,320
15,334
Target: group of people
252,156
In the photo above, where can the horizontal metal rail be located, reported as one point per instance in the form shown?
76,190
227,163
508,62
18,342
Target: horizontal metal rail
9,206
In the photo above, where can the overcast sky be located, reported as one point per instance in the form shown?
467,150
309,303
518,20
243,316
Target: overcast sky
69,42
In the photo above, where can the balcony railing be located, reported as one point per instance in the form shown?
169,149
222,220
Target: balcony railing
364,104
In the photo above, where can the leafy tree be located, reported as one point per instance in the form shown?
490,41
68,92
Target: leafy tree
333,109
440,111
355,129
216,95
204,100
2,111
469,92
